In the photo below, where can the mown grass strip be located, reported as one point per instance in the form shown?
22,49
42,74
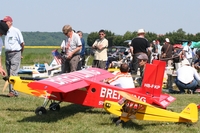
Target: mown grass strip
56,47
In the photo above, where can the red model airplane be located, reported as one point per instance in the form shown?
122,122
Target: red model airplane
86,87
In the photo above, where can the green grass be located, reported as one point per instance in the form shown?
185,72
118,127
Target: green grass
17,114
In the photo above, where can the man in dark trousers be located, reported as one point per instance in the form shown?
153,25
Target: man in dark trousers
139,45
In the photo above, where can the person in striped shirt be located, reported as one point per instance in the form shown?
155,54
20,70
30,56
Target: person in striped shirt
123,78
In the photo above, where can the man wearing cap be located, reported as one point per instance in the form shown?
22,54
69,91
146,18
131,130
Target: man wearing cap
14,46
139,45
123,78
73,48
166,51
142,60
187,77
166,55
3,31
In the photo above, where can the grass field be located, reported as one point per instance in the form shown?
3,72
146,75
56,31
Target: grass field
17,114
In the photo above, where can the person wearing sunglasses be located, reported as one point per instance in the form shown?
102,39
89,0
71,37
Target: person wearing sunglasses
100,51
73,48
142,60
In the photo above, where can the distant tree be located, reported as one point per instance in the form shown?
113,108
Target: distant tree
55,38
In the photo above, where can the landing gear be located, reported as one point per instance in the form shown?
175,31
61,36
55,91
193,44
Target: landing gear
118,122
54,106
40,110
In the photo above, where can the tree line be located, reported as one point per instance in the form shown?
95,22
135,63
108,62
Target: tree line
56,38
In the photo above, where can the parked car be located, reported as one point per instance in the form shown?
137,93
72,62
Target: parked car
89,51
117,50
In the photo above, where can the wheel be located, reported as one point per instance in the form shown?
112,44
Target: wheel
40,110
54,106
118,122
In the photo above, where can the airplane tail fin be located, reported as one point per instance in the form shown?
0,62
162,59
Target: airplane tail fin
153,77
190,112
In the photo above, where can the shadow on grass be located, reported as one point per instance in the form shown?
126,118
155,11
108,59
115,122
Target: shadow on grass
4,95
66,111
23,110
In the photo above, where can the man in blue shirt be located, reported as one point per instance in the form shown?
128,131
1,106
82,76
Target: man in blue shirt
82,54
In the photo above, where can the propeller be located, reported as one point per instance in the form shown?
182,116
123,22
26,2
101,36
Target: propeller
6,78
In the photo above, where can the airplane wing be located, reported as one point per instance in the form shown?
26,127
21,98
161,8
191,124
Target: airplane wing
132,98
25,71
71,81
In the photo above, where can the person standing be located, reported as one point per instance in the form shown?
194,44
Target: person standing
139,45
73,48
187,52
166,55
82,54
166,52
100,51
14,47
63,59
3,31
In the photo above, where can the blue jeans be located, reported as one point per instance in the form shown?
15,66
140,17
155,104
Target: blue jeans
181,86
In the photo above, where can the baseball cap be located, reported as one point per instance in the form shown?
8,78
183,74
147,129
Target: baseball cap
141,31
167,39
7,18
143,57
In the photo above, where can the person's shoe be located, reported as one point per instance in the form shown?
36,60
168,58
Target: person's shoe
181,92
11,94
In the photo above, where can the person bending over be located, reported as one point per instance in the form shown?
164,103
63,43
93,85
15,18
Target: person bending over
187,77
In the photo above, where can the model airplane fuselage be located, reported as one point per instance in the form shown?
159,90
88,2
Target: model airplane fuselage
132,108
85,87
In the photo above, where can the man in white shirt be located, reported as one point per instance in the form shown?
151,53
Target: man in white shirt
187,77
187,52
14,46
73,48
123,78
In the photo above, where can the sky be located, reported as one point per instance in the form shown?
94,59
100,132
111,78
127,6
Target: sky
117,16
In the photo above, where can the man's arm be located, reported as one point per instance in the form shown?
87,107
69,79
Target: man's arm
131,49
22,47
2,72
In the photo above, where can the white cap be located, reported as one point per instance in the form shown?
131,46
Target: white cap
141,31
167,39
